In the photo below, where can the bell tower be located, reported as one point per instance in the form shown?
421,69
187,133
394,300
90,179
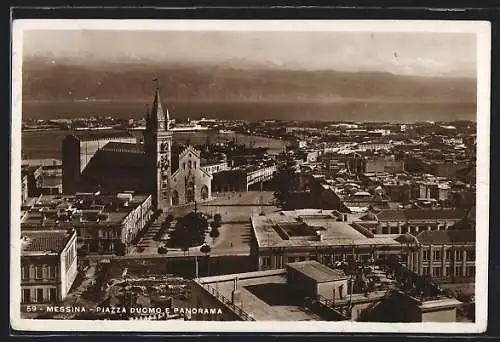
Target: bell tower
158,145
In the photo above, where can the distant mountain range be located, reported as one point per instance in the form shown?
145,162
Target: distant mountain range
44,80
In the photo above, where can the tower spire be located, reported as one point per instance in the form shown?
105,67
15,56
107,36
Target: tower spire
148,119
157,114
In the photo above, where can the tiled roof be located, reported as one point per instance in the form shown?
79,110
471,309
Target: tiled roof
368,217
419,214
447,236
434,214
46,241
101,134
391,215
114,146
317,271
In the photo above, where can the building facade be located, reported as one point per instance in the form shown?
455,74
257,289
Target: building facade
449,256
190,182
326,236
103,223
48,265
414,220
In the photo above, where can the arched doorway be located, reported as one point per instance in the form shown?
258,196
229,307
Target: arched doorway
175,197
190,192
204,192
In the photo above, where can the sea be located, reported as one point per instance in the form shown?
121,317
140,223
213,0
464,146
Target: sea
258,110
47,144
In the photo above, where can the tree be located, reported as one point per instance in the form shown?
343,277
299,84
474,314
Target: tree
189,231
214,232
205,249
283,183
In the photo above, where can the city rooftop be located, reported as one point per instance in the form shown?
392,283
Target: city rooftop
314,227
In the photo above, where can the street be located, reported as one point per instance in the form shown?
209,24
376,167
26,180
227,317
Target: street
235,231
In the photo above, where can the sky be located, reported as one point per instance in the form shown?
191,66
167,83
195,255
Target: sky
407,53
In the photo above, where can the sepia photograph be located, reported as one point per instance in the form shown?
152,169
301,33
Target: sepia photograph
204,175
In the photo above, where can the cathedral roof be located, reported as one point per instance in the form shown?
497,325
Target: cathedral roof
189,149
115,146
101,134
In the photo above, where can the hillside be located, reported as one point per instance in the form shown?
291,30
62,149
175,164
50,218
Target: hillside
43,80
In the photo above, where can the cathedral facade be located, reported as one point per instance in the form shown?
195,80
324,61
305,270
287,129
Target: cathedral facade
190,182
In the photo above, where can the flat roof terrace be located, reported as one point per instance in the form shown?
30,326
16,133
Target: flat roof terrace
44,211
311,229
265,295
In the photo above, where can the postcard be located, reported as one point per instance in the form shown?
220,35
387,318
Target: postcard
250,176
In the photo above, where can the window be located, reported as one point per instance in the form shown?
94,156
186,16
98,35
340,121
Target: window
458,255
195,165
45,273
52,272
458,271
425,255
436,272
337,257
447,271
39,295
26,296
425,270
470,271
471,255
52,294
32,272
175,197
436,255
25,272
404,258
448,255
38,272
184,166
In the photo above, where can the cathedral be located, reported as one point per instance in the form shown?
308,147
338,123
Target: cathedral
116,161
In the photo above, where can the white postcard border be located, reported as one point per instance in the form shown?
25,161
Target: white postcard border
481,28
